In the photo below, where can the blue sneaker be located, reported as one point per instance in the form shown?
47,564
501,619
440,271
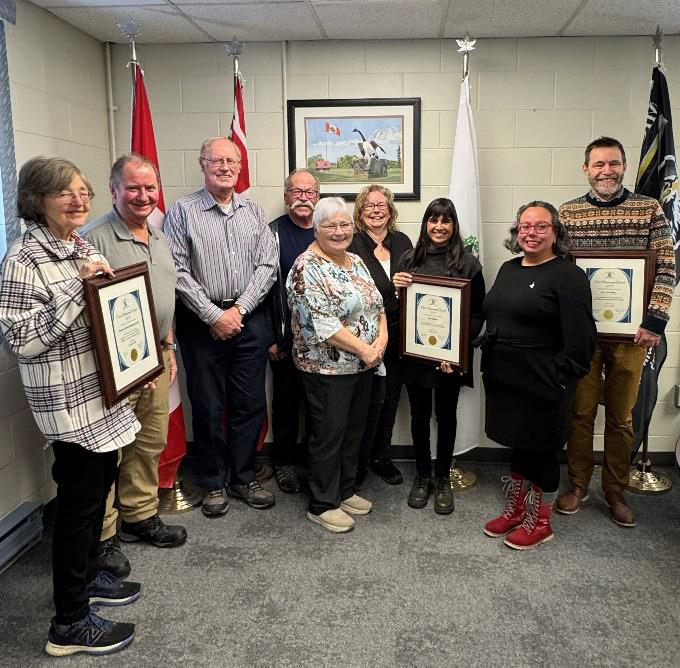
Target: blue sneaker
107,589
92,635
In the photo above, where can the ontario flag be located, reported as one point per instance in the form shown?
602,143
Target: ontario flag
333,129
237,134
144,143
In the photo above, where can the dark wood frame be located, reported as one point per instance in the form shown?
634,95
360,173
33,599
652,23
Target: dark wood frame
102,346
461,284
413,102
650,272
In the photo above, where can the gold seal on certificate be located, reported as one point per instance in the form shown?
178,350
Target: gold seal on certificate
124,330
620,284
435,320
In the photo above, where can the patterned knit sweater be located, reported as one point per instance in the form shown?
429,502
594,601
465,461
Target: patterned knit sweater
630,222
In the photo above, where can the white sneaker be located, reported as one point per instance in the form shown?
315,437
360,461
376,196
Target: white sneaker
356,505
334,520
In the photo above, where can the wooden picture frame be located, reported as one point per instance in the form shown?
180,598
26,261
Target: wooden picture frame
435,321
349,144
621,284
124,330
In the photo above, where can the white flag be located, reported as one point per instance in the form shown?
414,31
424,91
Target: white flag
464,193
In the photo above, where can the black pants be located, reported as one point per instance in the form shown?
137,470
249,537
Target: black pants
445,405
541,467
83,479
287,399
225,374
337,408
376,402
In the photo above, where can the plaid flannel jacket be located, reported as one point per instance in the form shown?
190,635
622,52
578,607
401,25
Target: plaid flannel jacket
43,318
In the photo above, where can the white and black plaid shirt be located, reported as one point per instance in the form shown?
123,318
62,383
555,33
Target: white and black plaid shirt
43,318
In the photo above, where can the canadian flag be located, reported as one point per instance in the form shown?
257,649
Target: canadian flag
333,129
144,143
237,134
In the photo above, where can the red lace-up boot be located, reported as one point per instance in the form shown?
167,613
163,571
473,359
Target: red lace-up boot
535,528
513,514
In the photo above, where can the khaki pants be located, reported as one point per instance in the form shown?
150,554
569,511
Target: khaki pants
622,368
138,462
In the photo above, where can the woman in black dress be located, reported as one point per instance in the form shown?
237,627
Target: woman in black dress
380,245
439,251
540,336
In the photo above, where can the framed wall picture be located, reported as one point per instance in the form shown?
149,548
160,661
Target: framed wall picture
124,330
435,320
620,283
350,144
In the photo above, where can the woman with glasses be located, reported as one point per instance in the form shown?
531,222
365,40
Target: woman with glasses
439,251
540,336
380,245
43,318
339,339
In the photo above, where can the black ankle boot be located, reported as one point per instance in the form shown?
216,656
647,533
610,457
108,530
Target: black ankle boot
420,492
443,496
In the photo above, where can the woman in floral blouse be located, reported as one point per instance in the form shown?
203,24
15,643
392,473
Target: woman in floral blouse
339,338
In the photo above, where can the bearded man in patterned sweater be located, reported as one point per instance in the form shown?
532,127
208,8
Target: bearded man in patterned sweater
610,217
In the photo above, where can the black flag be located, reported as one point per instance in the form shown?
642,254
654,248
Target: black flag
657,177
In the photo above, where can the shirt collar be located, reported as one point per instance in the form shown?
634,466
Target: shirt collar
208,201
594,196
57,247
123,231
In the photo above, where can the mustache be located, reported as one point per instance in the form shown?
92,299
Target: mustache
300,203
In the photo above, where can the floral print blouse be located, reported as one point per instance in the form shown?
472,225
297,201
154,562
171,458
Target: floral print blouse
324,298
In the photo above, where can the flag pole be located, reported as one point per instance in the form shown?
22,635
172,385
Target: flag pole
131,30
460,479
642,480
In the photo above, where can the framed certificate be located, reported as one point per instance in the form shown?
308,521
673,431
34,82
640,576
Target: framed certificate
435,320
124,330
620,282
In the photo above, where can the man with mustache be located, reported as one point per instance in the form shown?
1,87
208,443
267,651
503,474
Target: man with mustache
226,260
124,236
294,233
610,217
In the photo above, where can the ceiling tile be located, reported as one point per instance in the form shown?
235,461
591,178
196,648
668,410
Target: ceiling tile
160,24
500,18
95,3
381,20
256,22
623,17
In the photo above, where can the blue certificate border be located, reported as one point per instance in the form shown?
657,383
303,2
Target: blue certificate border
449,302
626,319
112,304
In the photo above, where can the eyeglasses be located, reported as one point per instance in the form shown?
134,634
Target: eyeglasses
343,227
541,228
382,206
68,196
221,162
298,192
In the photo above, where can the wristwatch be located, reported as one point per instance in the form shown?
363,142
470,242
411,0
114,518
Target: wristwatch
169,346
241,310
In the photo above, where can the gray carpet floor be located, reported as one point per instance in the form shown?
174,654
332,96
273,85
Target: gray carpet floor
405,588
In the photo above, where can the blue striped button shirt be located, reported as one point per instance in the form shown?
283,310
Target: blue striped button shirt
220,255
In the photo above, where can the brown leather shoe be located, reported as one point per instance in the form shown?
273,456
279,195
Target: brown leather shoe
569,502
620,510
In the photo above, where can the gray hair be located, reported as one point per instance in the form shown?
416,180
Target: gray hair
209,142
560,245
286,183
44,176
327,208
116,176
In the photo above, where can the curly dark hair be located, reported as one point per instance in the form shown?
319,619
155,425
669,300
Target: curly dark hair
561,244
439,208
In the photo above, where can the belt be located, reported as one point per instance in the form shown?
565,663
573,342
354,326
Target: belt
224,304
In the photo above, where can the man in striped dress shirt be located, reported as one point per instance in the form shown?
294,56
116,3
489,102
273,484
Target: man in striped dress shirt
226,261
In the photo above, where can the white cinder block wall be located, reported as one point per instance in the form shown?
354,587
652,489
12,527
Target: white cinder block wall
57,85
537,103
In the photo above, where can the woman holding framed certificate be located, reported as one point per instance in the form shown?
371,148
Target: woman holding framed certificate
439,251
540,336
44,320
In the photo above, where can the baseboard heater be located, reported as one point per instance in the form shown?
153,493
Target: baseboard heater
19,532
